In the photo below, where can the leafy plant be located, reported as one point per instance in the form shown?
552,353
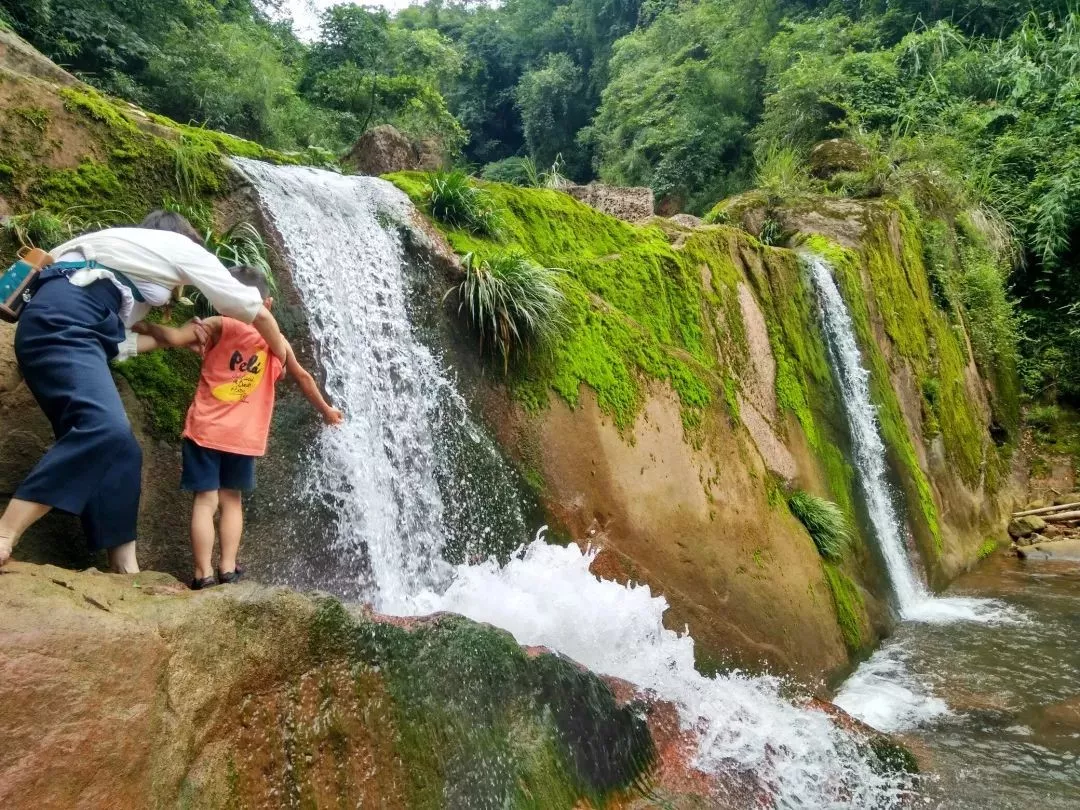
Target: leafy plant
239,245
825,521
772,232
513,303
45,229
453,199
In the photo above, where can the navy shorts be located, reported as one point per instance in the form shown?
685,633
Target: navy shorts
207,470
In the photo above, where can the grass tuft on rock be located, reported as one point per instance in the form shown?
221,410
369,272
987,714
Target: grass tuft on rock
825,521
512,303
454,200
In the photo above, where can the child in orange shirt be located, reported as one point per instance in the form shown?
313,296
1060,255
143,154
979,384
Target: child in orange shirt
228,423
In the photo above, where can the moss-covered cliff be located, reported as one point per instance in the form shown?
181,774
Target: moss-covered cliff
692,390
72,159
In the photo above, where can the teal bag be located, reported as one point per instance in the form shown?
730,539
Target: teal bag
16,285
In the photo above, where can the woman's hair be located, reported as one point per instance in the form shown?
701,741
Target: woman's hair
170,221
252,277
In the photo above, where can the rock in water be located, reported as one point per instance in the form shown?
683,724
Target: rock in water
1026,526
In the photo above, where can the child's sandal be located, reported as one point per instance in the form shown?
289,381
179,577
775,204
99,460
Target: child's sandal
230,578
205,582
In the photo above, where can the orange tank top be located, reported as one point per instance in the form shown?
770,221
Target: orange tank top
235,396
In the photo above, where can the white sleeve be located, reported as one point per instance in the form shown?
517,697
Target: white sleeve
201,269
127,348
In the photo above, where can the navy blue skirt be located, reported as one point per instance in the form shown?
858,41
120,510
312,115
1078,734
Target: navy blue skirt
64,341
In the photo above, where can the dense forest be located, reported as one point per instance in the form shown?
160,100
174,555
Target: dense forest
966,111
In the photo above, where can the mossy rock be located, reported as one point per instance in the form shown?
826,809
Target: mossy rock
827,158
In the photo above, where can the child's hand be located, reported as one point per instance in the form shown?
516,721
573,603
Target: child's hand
333,416
140,328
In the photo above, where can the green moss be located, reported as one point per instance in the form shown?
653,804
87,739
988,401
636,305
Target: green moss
165,382
478,718
37,117
892,756
635,305
988,547
850,608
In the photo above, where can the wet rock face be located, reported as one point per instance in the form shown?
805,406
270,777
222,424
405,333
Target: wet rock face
630,204
26,431
133,692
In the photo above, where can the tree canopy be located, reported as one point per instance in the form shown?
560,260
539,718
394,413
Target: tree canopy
968,109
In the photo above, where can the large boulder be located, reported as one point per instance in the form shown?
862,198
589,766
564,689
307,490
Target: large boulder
632,204
837,155
133,692
1026,526
385,149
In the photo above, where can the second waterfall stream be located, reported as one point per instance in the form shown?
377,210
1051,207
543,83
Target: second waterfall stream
380,472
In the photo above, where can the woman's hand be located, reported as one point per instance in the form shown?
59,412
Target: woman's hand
332,416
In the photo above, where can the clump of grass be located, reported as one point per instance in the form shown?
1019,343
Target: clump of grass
1044,418
513,303
453,199
825,521
781,172
45,229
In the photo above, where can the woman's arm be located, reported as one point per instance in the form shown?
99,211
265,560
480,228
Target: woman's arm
267,326
310,388
154,336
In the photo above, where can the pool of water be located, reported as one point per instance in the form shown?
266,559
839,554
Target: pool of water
992,711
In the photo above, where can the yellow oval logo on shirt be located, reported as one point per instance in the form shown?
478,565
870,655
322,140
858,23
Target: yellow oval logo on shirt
251,374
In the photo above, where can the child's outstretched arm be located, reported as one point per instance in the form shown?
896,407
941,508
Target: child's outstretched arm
195,332
330,414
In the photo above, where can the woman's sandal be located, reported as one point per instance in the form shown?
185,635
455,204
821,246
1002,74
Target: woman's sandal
205,582
230,578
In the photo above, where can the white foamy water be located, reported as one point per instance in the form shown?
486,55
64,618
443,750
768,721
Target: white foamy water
379,472
884,694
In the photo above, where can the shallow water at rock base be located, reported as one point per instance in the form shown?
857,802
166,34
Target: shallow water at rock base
992,711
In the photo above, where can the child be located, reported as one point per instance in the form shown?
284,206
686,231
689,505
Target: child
228,422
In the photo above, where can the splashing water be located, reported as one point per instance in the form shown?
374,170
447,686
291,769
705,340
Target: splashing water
379,472
914,601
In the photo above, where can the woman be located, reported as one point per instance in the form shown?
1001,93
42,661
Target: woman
76,322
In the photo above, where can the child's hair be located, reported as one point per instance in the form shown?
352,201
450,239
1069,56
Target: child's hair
252,277
171,221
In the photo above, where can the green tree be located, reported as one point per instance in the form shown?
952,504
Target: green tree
682,99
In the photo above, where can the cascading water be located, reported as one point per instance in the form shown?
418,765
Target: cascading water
913,600
380,470
882,692
867,447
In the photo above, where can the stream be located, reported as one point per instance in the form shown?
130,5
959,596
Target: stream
992,710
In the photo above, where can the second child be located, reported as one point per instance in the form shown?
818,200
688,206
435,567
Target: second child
228,423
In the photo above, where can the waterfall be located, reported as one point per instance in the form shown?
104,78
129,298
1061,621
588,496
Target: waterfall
913,600
380,473
867,447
